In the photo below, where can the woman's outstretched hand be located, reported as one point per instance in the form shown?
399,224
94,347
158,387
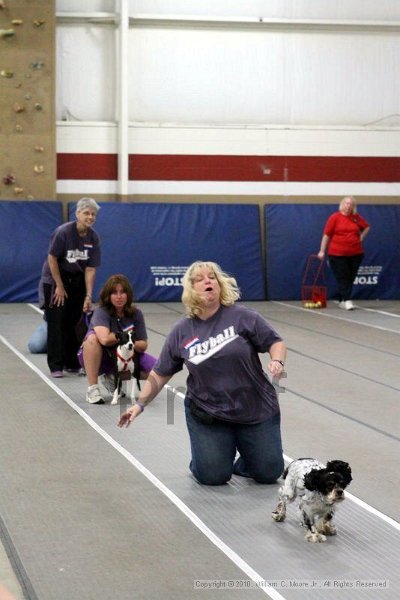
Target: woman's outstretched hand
128,416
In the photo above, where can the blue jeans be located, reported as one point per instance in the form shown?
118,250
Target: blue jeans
214,449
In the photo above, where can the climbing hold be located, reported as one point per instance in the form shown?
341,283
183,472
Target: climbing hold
6,73
39,149
37,65
4,33
38,22
18,108
9,179
38,168
18,190
38,106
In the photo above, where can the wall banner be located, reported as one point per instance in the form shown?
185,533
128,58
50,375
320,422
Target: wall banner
153,244
25,230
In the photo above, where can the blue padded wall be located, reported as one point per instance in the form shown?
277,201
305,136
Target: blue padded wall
153,244
25,229
294,231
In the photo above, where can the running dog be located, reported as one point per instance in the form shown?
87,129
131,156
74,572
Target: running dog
125,365
319,488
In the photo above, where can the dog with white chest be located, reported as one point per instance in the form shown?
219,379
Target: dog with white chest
125,363
319,489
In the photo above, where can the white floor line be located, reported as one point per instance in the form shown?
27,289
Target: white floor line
36,308
321,313
380,312
231,554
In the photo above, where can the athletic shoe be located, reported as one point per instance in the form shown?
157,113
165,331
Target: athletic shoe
57,374
93,395
348,305
342,304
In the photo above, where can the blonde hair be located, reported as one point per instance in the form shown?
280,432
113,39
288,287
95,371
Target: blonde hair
348,198
192,300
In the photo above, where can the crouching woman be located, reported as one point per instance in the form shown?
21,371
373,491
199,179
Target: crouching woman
111,320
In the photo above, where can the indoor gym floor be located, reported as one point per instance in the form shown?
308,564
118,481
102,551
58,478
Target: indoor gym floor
90,511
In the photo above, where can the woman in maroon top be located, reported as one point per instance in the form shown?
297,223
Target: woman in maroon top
344,232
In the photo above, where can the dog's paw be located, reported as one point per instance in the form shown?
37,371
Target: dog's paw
279,513
327,529
115,400
315,537
277,516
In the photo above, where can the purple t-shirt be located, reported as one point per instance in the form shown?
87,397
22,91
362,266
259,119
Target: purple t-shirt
226,378
73,252
101,317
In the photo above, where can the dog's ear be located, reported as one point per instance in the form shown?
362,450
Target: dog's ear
312,479
339,466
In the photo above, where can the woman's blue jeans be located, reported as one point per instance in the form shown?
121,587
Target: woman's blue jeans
214,449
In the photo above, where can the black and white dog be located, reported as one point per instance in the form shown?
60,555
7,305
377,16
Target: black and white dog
125,364
319,489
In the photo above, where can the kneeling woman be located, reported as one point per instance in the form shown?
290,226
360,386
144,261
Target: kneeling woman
230,403
115,314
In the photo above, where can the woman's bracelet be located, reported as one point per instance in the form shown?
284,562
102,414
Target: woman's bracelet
140,405
279,361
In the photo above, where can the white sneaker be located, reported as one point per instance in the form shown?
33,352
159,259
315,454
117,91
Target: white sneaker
342,304
93,395
348,305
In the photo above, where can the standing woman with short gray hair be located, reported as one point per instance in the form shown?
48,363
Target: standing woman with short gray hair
66,285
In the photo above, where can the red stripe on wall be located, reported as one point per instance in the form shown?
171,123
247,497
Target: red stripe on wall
171,167
87,166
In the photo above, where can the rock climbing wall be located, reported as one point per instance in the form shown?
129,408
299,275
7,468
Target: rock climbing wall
27,100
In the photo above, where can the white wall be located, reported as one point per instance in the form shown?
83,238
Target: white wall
250,77
326,86
294,9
